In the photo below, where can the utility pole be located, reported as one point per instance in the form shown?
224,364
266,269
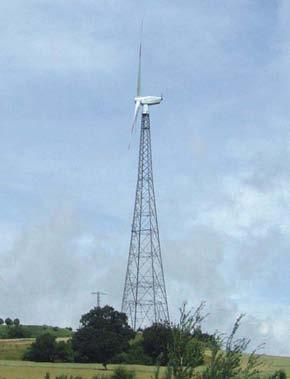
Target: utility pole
99,294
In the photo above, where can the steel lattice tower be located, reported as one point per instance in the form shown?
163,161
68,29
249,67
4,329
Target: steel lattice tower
144,297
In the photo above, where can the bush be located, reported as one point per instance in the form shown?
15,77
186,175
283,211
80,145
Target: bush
17,331
279,374
134,355
122,373
64,352
46,349
42,350
156,339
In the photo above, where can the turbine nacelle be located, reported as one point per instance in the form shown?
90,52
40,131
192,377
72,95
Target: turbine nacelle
148,100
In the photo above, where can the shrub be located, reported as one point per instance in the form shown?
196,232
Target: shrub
18,331
63,352
135,353
156,339
42,350
279,374
122,373
46,349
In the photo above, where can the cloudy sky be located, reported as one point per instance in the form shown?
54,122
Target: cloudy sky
220,144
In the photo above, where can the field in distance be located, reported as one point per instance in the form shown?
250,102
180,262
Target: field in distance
34,331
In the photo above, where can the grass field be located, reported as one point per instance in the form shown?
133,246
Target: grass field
11,366
14,349
30,370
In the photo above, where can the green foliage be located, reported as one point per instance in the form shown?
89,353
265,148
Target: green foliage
185,352
135,354
16,322
46,349
42,350
64,352
1,321
17,331
104,334
8,321
226,357
34,331
279,374
156,339
122,373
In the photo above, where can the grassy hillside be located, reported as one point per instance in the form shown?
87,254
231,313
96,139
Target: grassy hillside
36,330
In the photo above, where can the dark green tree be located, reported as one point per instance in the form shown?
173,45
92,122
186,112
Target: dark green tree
1,321
156,340
46,349
279,374
42,350
17,331
104,333
8,321
64,352
16,321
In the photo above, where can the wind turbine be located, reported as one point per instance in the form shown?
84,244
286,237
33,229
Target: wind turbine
144,296
144,101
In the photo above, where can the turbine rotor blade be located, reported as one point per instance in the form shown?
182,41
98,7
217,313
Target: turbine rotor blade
140,61
137,107
139,72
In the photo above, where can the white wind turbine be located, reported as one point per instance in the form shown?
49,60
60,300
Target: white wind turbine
144,101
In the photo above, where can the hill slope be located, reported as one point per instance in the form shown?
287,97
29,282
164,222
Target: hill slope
34,331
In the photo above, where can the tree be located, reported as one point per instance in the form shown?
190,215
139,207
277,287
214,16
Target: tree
8,321
1,321
17,331
104,333
226,357
279,374
135,354
46,349
185,352
64,352
156,340
16,321
42,350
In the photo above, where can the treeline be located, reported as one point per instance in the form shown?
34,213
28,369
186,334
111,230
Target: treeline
12,328
105,337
